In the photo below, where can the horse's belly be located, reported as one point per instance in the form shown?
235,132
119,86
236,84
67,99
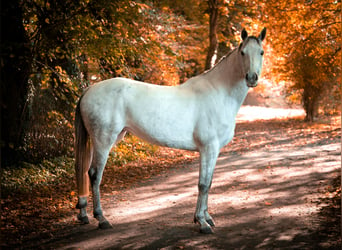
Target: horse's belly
174,137
163,128
165,118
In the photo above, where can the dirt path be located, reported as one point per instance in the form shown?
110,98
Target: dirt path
265,197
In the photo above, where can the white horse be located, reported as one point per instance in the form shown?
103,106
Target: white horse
197,115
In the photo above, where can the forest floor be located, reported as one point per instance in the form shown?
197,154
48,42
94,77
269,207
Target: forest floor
276,185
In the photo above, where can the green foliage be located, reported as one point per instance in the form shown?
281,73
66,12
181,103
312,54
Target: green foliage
75,43
94,39
131,149
26,176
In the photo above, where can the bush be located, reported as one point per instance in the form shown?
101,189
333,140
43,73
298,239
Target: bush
48,137
26,176
130,149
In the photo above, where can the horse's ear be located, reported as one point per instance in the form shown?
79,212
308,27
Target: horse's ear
244,34
262,34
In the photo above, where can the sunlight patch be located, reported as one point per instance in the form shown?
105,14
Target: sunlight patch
293,210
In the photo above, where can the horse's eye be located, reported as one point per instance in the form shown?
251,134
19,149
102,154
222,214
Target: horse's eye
262,53
242,53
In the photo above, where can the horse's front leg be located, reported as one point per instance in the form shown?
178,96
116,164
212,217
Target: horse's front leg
208,161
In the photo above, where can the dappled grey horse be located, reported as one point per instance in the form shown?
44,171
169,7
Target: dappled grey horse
197,115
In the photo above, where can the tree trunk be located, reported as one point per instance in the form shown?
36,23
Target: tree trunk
310,101
15,70
213,44
309,117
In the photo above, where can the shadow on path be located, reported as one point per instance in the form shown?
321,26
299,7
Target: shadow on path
260,199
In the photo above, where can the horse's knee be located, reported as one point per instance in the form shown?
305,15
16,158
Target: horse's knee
92,175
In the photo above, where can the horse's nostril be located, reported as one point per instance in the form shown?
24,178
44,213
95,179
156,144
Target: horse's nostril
255,76
252,77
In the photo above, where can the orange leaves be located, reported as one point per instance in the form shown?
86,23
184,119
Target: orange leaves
310,52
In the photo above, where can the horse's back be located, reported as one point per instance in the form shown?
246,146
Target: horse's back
159,114
100,98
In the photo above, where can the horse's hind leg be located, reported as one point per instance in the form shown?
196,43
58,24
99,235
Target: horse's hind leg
82,205
97,166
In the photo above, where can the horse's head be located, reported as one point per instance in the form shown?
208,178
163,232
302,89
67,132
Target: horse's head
251,55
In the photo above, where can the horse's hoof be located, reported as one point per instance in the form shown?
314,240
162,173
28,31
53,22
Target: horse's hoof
105,225
83,219
206,230
211,222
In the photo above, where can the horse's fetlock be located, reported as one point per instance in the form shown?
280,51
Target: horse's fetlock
198,218
83,219
98,214
82,203
203,187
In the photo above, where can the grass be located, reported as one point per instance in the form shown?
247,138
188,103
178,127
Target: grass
25,176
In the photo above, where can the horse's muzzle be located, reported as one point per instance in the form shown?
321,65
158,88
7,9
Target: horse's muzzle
252,79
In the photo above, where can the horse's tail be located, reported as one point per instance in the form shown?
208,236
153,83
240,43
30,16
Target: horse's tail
82,153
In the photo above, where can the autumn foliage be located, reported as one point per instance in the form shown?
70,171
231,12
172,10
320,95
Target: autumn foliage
163,42
51,50
307,52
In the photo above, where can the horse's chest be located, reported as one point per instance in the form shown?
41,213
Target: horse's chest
226,135
224,127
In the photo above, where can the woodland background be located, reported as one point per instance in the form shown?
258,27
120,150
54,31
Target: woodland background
51,50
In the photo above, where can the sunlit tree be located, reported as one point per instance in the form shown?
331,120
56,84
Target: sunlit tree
306,36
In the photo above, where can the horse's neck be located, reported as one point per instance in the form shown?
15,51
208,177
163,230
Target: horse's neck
227,77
